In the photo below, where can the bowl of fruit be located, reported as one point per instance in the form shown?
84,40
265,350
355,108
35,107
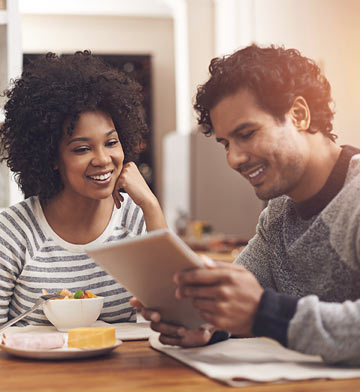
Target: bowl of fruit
73,310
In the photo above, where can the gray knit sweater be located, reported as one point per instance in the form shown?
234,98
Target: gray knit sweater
307,257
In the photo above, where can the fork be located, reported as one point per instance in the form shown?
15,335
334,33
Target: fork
38,303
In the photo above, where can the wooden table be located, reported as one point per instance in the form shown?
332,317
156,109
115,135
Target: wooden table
133,366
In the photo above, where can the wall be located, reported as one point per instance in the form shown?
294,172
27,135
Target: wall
201,44
329,32
3,64
220,195
115,35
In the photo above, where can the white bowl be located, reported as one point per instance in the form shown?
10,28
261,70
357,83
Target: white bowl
66,314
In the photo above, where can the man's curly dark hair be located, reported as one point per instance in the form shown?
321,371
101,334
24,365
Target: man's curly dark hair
52,91
276,76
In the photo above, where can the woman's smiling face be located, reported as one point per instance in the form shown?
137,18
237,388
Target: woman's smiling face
91,159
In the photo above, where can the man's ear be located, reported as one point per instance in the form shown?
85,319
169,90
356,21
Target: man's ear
300,114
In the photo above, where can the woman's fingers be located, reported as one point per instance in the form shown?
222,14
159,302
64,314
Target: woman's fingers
116,194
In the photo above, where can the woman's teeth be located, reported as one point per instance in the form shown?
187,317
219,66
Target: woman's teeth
256,173
102,177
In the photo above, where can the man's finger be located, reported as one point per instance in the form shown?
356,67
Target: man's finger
135,302
205,305
170,340
213,293
210,263
168,329
222,272
198,337
150,315
198,276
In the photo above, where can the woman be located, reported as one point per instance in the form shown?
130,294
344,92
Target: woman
72,128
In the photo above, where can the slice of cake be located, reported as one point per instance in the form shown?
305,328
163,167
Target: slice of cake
33,341
91,337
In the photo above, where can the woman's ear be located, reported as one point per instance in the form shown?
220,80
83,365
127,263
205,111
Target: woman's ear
300,114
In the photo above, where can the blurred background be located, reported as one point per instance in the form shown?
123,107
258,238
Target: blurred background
167,46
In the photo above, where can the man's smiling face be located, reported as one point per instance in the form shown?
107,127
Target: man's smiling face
272,155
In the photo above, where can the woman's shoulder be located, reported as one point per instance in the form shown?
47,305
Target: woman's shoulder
22,211
19,224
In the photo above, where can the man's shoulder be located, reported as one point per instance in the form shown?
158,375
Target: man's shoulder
353,172
345,207
275,211
351,188
278,206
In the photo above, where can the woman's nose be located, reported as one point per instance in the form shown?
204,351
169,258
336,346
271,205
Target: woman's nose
101,158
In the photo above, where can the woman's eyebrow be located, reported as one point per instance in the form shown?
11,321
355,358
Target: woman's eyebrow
77,139
85,139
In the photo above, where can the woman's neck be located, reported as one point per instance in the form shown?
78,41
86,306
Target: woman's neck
78,222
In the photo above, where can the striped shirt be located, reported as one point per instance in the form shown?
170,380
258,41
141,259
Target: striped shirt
33,257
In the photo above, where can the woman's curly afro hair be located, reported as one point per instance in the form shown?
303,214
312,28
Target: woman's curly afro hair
276,76
52,90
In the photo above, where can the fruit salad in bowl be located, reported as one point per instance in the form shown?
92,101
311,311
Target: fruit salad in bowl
73,310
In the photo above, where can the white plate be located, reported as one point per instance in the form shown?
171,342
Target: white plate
60,353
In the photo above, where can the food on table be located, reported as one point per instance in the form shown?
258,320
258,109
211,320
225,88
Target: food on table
91,337
33,341
66,294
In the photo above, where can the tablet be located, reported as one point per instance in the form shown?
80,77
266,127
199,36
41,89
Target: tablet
145,266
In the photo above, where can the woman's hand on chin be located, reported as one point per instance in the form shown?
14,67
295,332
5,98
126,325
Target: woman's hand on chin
133,183
135,186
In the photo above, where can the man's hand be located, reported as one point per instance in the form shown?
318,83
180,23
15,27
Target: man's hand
175,335
227,295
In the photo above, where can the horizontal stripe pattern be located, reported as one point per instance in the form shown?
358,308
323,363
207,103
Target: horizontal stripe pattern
33,257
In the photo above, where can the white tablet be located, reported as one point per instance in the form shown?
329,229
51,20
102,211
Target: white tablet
145,266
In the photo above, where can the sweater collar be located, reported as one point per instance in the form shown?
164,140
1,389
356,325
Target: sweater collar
315,204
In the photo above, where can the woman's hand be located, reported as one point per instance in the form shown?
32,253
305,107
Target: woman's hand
174,335
135,186
133,183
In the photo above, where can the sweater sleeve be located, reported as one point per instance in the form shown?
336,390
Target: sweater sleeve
273,316
327,329
310,326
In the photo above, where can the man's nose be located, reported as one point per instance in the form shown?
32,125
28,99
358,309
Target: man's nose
236,156
101,157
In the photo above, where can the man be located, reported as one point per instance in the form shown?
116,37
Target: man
298,280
